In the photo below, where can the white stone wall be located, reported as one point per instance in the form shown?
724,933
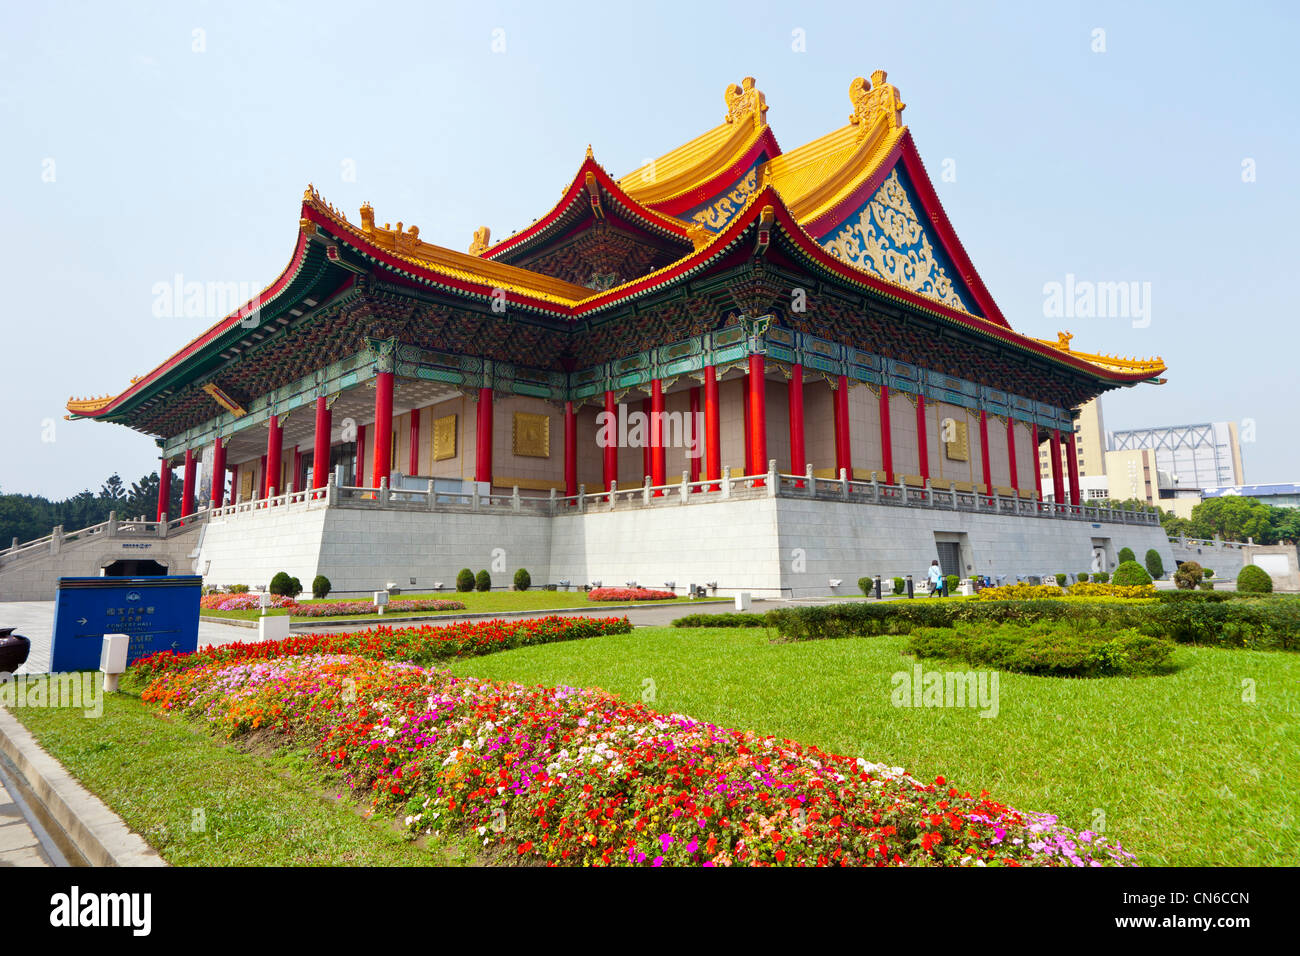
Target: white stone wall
764,545
32,577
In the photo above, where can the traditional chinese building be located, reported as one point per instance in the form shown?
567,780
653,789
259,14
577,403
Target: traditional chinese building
806,319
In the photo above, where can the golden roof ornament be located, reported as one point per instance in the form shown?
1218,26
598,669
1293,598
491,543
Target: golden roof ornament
1063,341
874,99
745,100
367,217
482,237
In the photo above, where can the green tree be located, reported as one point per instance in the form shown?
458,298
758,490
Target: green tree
1233,518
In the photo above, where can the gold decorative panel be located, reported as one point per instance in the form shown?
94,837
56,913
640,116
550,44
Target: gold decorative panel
889,241
532,435
444,438
956,441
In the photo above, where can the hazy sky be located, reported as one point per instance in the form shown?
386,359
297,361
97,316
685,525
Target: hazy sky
145,141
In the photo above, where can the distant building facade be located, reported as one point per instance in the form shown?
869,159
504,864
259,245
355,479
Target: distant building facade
1286,495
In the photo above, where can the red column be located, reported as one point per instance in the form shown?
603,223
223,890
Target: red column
320,458
383,427
413,466
886,438
843,436
798,458
646,466
1058,482
749,431
164,489
609,473
1072,457
1011,453
187,489
218,474
922,438
758,415
361,457
712,428
570,450
658,472
696,439
984,451
274,441
483,438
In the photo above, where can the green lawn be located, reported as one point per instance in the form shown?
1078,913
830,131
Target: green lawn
476,602
1185,772
257,811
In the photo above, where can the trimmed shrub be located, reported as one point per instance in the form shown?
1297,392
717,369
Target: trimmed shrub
1155,567
464,580
1207,572
320,586
1050,649
1081,577
867,585
483,581
899,585
1188,575
1126,554
284,585
1061,578
951,583
722,620
1254,580
237,589
1101,577
523,581
1131,573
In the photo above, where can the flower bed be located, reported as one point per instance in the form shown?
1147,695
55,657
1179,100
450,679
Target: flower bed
1019,592
564,776
424,644
629,594
1125,592
249,602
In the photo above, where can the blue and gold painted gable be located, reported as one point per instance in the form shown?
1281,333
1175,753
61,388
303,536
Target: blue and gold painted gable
719,209
890,237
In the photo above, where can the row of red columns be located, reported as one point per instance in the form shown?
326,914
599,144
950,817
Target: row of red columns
755,421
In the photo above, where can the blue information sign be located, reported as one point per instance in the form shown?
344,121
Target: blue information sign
157,613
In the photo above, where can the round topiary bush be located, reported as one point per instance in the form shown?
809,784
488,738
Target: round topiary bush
1255,580
1188,575
866,585
284,585
464,580
899,585
1131,574
523,581
1126,555
1155,567
320,586
1061,578
483,581
1207,572
1101,577
1082,577
951,583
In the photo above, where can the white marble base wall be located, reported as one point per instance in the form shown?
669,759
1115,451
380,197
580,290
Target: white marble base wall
768,546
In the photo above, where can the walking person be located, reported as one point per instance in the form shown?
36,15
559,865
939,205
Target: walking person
935,575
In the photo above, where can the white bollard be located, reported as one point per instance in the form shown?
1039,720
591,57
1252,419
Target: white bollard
112,659
273,628
742,601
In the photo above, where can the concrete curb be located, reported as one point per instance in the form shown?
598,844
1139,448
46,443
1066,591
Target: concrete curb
96,831
485,615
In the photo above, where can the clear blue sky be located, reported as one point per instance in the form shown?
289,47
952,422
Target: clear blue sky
1123,165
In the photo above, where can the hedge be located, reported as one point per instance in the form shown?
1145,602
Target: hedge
722,620
1260,624
1058,649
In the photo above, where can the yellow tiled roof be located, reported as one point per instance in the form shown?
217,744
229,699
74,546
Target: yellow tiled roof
692,164
1151,367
